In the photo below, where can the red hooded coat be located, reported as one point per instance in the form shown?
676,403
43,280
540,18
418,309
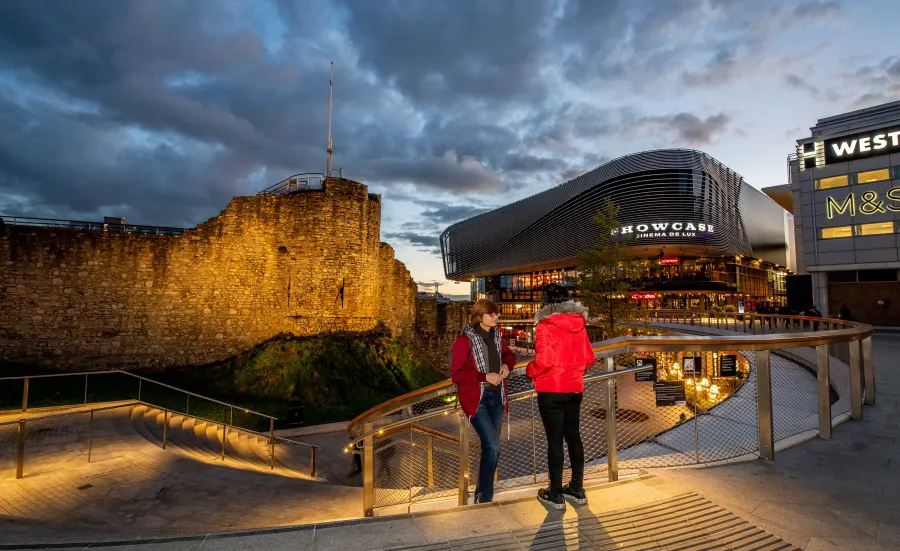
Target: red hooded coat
562,349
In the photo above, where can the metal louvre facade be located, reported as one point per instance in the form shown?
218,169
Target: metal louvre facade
551,228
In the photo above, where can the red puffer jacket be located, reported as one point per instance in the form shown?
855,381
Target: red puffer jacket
562,349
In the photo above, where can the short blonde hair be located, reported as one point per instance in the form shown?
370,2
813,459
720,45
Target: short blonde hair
481,307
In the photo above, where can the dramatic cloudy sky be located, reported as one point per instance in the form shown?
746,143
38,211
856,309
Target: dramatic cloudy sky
161,111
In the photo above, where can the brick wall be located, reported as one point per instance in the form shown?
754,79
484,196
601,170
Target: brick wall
267,264
862,300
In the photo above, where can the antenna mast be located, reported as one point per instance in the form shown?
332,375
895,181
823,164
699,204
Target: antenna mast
330,88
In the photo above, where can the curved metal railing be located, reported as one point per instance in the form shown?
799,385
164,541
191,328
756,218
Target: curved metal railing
818,372
297,182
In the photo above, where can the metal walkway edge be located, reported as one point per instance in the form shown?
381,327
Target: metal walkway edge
685,523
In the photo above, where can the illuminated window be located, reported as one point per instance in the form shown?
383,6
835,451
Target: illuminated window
834,233
834,181
872,176
876,228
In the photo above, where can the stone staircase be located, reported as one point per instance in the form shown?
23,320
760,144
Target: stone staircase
56,441
203,441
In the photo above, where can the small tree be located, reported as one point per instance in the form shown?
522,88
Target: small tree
604,275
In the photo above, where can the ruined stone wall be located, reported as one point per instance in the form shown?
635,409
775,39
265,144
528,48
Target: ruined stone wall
267,264
437,326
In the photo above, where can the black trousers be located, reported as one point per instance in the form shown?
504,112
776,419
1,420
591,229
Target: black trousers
561,415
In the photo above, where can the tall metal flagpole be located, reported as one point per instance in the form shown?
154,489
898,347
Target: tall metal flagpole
330,88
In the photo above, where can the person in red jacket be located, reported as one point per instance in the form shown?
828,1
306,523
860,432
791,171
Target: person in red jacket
479,364
562,353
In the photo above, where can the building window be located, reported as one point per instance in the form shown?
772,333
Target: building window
839,231
833,182
877,228
872,176
866,276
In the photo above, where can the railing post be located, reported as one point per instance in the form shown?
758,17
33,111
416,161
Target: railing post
312,461
856,381
165,427
85,388
764,406
20,448
463,494
25,396
140,387
91,436
868,370
368,466
430,453
612,458
224,439
272,439
231,415
533,443
824,391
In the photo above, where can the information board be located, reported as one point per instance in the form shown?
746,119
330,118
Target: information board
728,366
670,393
644,376
690,366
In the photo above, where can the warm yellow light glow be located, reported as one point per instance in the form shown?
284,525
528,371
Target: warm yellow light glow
704,382
689,382
381,432
714,389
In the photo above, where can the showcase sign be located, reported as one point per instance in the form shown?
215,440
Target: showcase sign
867,203
862,145
643,296
665,229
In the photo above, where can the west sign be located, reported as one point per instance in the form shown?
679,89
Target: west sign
860,146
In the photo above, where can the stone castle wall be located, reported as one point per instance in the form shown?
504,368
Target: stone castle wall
437,326
267,264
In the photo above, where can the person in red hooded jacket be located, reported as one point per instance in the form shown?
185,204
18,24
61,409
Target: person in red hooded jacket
562,353
479,363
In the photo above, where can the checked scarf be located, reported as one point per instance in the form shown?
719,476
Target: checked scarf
480,353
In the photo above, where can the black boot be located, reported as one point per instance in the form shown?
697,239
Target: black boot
554,502
576,497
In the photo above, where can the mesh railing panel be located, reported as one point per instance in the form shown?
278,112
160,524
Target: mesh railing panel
795,401
839,375
392,456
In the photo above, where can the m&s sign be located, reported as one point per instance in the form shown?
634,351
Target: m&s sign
867,203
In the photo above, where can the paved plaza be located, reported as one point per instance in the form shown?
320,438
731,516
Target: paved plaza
842,494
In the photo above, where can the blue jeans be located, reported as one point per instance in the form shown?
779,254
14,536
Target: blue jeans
488,423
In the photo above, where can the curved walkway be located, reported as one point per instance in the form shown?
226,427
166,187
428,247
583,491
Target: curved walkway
842,494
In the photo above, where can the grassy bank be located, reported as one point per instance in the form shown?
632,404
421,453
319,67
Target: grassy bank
334,377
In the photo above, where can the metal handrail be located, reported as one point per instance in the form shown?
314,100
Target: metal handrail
142,378
85,225
622,345
22,423
860,387
68,413
522,394
285,185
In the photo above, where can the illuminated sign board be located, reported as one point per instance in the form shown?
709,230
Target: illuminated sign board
867,203
665,229
668,260
643,296
862,145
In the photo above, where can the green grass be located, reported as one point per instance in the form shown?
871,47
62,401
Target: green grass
335,377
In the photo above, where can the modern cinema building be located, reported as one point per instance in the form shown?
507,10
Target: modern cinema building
704,238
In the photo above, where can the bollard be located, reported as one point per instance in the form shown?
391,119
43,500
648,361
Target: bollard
20,451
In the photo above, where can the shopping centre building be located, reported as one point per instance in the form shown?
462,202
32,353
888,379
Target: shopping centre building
703,237
845,195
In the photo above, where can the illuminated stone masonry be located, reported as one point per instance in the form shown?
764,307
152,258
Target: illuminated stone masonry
304,263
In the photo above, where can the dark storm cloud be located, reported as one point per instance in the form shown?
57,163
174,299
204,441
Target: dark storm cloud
690,128
415,238
440,52
882,81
